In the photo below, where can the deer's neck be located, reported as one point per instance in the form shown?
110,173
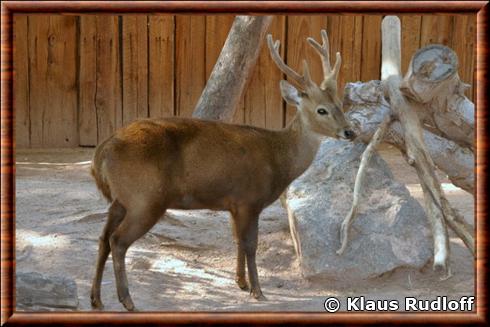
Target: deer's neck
303,145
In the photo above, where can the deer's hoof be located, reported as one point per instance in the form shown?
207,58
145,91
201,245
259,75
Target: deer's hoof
128,304
242,283
96,303
258,296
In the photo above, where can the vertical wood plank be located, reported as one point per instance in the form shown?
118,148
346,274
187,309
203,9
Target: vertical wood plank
87,110
263,102
134,67
190,58
217,29
334,30
108,91
21,81
271,76
100,74
298,29
463,43
53,86
239,114
471,58
344,36
371,48
436,29
410,41
357,60
161,66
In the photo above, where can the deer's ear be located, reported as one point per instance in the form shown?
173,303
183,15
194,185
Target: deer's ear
290,94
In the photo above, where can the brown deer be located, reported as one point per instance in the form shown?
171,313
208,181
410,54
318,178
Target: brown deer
155,164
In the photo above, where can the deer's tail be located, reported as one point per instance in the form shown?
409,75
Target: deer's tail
98,171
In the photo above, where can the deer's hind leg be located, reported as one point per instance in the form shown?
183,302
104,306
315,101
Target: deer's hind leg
135,224
115,217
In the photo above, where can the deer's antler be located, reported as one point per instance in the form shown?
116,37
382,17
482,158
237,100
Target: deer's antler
323,50
304,81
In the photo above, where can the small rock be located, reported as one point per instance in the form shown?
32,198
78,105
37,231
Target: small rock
34,290
24,253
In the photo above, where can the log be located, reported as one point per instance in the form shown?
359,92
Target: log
366,107
233,68
433,82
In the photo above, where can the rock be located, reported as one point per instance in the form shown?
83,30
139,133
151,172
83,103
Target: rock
34,290
390,230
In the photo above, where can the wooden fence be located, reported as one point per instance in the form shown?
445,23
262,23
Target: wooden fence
78,78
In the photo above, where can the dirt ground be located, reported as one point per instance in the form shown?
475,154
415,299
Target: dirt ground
186,262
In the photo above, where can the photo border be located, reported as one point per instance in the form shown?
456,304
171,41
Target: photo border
9,8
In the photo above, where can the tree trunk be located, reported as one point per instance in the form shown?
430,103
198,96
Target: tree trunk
233,68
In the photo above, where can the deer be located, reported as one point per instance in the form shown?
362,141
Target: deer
153,165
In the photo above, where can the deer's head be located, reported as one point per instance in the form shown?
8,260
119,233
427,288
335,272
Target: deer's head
319,107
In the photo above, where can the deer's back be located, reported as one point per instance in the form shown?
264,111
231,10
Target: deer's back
193,164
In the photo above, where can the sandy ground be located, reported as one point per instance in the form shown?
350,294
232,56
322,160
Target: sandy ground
186,262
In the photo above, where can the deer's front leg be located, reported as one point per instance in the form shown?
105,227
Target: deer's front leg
247,224
240,261
240,268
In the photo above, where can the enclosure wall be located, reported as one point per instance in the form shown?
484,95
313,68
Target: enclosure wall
78,78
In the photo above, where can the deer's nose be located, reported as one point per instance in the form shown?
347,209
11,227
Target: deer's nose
349,134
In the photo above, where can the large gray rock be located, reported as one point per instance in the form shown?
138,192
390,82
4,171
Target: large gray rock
390,230
34,290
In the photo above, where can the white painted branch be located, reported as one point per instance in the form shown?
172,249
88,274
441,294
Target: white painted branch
391,47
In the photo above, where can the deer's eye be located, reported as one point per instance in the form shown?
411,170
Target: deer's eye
322,111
